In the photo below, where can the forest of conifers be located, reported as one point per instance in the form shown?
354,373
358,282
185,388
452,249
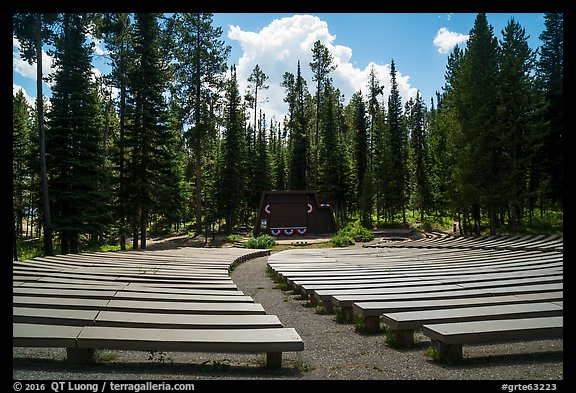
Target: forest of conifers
181,148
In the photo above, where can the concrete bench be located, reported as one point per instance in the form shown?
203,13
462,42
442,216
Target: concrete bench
67,317
345,302
308,288
370,312
82,342
126,295
232,291
448,338
405,323
138,306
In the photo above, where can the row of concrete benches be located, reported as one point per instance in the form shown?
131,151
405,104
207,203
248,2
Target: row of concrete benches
453,295
147,301
517,242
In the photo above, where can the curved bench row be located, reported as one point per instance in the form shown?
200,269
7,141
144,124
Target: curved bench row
428,288
143,300
517,242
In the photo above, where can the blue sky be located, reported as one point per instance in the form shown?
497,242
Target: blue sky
418,43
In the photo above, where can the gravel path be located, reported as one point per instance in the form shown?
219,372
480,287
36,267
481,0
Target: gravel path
332,351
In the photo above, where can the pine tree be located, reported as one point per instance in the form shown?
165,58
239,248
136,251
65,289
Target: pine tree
550,75
233,177
516,89
74,140
479,155
257,82
322,64
148,137
397,142
333,171
32,31
296,92
117,29
201,60
419,152
361,147
21,171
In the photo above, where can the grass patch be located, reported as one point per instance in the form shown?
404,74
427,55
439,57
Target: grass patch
339,315
29,248
359,324
283,286
391,338
275,277
320,310
302,364
233,238
215,365
107,356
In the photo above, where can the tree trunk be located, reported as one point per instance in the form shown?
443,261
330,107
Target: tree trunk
198,172
143,227
14,242
122,201
135,231
46,215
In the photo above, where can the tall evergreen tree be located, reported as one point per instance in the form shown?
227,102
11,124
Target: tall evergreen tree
375,89
296,92
419,152
74,140
550,74
117,29
516,89
322,64
361,148
256,83
233,179
148,138
333,171
397,142
480,155
201,60
32,31
21,171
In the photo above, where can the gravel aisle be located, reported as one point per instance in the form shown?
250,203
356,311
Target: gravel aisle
332,352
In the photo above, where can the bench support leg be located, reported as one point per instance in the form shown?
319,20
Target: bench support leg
451,352
81,355
313,301
372,324
405,337
347,314
328,306
274,360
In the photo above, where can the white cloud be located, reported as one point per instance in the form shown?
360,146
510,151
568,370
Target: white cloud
446,40
29,99
97,46
25,69
278,47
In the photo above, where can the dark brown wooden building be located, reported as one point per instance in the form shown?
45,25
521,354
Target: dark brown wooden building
293,213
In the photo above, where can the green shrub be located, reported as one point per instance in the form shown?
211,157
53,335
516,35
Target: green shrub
260,242
351,234
341,240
